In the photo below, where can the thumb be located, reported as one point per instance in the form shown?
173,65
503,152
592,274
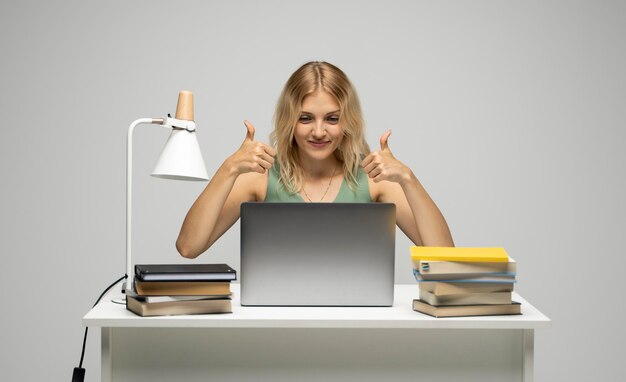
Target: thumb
383,140
250,127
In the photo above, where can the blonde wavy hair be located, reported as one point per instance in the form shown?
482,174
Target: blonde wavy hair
308,79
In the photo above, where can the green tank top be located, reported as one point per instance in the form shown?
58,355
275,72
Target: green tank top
277,193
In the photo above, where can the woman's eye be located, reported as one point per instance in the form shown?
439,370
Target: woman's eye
333,119
304,118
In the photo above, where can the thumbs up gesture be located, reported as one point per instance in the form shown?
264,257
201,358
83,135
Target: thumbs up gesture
382,165
252,156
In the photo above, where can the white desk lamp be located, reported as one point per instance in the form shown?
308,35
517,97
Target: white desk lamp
181,159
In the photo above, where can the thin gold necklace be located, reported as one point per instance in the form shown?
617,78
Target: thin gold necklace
327,187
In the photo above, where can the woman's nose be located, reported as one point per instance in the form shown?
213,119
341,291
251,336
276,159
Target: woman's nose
319,129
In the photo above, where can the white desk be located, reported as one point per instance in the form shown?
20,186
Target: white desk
316,344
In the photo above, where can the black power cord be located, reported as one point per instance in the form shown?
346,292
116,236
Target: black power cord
79,372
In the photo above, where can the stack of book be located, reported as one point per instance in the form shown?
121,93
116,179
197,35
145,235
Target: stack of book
162,289
457,282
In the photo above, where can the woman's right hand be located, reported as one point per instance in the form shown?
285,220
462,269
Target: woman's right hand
252,156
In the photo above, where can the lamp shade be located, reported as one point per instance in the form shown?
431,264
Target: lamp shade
181,158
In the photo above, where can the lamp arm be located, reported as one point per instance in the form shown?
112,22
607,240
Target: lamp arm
130,285
170,123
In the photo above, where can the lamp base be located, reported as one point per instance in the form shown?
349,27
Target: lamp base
121,299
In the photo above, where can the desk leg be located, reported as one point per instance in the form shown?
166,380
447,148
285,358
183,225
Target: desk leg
105,354
528,355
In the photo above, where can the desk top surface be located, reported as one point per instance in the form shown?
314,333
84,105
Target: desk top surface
400,315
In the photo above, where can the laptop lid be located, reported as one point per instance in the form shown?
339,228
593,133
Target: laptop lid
317,254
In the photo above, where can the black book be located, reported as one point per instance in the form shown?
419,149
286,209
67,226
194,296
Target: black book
185,272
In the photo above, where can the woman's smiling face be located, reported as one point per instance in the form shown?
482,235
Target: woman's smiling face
318,132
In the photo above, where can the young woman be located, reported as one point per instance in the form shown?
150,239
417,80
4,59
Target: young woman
320,155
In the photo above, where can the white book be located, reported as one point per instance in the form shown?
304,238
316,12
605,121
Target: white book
152,299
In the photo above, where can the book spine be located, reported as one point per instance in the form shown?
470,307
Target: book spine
463,276
436,267
479,279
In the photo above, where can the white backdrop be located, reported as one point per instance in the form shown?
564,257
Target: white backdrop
510,113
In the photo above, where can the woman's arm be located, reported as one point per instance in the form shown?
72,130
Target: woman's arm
417,215
217,207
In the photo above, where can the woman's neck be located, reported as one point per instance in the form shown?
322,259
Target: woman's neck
315,169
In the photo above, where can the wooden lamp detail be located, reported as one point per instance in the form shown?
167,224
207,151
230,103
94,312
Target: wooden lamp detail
184,108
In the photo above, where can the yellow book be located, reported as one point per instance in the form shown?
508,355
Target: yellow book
492,255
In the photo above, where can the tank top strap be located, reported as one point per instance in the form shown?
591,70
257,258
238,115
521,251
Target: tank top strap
276,192
360,195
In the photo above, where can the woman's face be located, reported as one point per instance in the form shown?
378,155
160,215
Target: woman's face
318,132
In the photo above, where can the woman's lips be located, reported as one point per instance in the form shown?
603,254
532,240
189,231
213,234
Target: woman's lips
319,144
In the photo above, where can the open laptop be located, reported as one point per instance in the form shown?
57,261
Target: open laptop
317,254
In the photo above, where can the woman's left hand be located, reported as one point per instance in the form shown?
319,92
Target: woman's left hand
382,165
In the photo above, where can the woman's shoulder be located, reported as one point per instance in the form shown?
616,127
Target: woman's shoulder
255,184
383,191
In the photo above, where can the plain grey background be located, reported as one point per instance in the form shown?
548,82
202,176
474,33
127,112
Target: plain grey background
511,114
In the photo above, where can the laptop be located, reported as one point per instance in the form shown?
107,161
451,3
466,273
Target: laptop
317,254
